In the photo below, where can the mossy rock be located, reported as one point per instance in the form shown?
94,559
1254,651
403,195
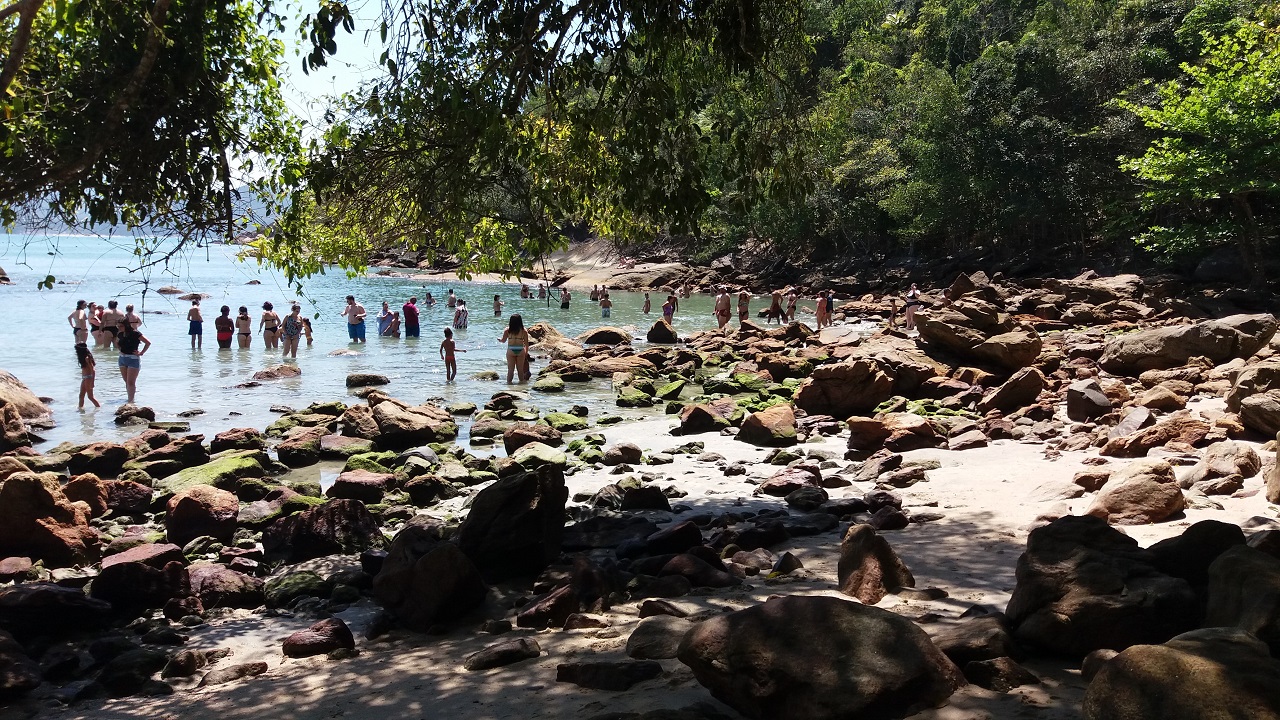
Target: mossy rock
749,382
308,488
281,426
281,591
378,462
564,422
784,456
721,386
333,407
632,397
536,455
481,476
224,472
576,446
594,439
672,390
489,375
609,420
644,385
591,455
549,384
786,392
710,361
675,407
893,404
460,408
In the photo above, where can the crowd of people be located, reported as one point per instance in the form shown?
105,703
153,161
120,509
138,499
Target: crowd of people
113,329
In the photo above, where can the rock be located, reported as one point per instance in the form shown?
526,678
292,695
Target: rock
521,434
657,637
818,658
968,440
18,672
1144,491
676,538
628,453
662,332
869,569
222,676
223,472
1210,673
844,389
516,524
713,416
1272,479
1261,413
501,654
564,422
1179,427
1223,459
1168,347
1086,401
784,482
1082,586
301,446
131,671
1244,592
552,609
282,590
366,379
201,510
19,397
220,586
155,555
771,427
336,527
367,487
974,639
104,459
1251,380
697,571
1011,350
38,521
614,676
41,608
999,674
548,384
537,455
1161,398
134,586
125,497
401,426
278,372
605,336
1017,392
322,637
90,490
1190,554
425,581
807,498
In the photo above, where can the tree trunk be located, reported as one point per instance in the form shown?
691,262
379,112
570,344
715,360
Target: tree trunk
1250,243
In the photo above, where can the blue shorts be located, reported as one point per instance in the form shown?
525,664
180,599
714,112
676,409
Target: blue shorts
131,361
355,330
411,331
606,312
197,328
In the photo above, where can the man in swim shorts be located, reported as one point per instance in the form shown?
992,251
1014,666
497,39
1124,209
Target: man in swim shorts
722,308
354,313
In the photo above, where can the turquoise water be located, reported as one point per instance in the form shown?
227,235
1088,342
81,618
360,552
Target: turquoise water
36,344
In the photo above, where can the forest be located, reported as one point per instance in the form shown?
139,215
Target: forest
494,131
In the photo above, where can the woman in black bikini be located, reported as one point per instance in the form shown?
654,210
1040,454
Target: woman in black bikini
244,328
270,326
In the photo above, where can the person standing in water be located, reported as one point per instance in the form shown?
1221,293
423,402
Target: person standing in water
112,318
461,315
498,304
430,301
791,304
447,349
595,294
517,340
79,320
564,298
669,309
88,372
452,300
354,313
196,325
647,304
410,311
224,327
722,308
606,305
820,310
131,319
306,328
542,291
384,319
133,345
744,306
291,330
270,326
95,324
244,328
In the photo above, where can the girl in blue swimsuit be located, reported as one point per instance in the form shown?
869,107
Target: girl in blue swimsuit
517,340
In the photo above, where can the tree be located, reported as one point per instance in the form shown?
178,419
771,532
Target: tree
158,116
1218,154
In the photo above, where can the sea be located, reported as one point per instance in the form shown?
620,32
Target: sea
36,342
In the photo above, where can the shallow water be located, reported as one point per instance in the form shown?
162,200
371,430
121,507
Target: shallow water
36,345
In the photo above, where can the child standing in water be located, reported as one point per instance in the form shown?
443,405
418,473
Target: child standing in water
606,305
646,307
497,302
517,340
197,326
447,349
88,372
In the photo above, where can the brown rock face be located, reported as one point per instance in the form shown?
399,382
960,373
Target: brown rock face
521,434
323,637
425,581
869,569
1144,491
18,396
844,389
708,417
201,510
818,658
90,490
338,526
38,521
771,427
1169,347
237,439
516,524
1178,427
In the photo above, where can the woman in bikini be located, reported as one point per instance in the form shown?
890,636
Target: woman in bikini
244,328
88,372
225,328
133,345
270,326
913,302
791,304
744,306
292,330
517,340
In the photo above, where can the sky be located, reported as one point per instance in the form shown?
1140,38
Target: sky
357,58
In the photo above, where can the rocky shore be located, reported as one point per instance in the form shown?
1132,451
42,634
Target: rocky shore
1057,499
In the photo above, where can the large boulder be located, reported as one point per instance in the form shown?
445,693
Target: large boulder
403,426
336,527
220,586
104,459
713,416
662,332
134,586
1083,586
605,336
362,485
19,397
1244,592
324,636
515,525
1261,412
1017,392
1169,347
1086,401
1211,673
1144,491
223,472
425,581
1011,350
237,439
521,434
1252,380
1180,427
1224,459
818,658
201,510
771,427
869,569
18,672
36,609
38,521
847,388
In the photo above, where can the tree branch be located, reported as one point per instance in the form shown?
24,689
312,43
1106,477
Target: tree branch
27,11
